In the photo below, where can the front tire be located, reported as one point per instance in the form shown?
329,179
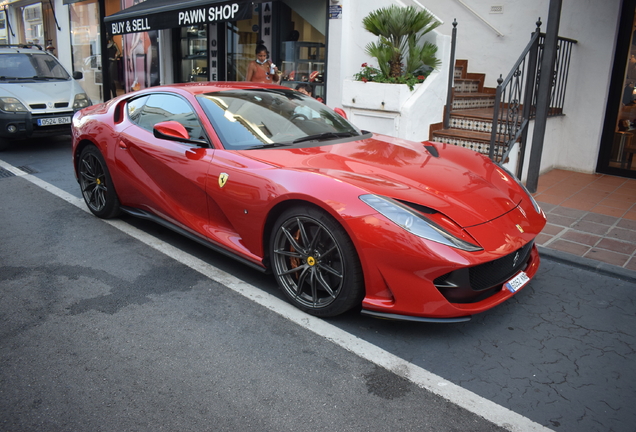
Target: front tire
315,262
96,184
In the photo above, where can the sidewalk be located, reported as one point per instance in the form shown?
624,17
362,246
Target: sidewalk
591,217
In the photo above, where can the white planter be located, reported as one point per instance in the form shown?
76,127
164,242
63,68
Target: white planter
376,96
376,107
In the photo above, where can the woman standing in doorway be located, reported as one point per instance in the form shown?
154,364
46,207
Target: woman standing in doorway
262,70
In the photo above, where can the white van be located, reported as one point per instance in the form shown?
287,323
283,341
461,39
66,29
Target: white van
38,97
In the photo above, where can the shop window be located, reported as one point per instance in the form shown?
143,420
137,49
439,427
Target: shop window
624,145
141,60
85,46
33,24
193,49
3,28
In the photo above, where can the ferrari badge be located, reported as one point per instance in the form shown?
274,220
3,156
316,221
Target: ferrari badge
223,179
518,226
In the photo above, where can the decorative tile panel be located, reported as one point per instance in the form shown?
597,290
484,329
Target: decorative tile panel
478,146
473,102
466,86
476,125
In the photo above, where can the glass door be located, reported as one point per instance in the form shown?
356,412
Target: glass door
241,40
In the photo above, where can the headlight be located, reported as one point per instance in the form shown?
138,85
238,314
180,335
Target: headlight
10,104
532,200
81,101
415,223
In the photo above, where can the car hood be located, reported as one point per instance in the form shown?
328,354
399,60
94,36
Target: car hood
43,92
462,184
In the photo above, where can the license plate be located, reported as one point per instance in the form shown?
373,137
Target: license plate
54,121
514,284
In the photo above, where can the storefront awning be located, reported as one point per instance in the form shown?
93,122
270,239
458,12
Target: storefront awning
164,14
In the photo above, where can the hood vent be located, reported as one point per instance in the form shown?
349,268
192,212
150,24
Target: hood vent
38,106
432,150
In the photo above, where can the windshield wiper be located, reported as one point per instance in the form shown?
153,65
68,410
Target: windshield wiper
15,78
270,145
324,136
46,78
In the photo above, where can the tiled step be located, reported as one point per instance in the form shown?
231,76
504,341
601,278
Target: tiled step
466,85
477,141
462,101
478,120
471,113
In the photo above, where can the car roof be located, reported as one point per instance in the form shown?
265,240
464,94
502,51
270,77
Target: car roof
197,88
21,48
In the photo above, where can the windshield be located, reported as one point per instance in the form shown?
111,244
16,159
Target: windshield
31,66
258,118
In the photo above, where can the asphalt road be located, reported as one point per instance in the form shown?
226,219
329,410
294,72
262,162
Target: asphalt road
100,331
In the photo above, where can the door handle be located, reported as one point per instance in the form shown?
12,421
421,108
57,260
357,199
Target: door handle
123,145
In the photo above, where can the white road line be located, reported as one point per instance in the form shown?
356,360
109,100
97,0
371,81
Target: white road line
468,400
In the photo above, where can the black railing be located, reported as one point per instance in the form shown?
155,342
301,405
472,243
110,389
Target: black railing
515,100
516,95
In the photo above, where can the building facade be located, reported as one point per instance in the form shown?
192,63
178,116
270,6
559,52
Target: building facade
322,43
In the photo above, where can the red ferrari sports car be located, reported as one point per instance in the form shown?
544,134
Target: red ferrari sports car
343,218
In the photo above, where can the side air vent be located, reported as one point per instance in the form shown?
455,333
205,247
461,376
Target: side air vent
418,207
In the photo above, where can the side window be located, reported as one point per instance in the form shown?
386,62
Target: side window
134,108
163,107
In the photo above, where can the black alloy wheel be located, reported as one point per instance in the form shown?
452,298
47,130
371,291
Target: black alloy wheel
315,262
96,185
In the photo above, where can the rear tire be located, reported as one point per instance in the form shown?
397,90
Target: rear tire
96,184
315,262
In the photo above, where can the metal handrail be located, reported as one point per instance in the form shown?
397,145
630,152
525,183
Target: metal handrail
515,100
451,77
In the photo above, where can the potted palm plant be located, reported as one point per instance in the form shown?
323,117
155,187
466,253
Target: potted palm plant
401,55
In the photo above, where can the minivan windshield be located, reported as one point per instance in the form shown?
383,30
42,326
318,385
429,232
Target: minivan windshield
261,118
28,66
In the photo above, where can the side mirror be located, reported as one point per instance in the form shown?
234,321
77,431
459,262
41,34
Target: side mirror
170,130
78,75
174,131
341,112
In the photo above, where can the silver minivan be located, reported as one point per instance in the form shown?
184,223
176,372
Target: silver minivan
38,97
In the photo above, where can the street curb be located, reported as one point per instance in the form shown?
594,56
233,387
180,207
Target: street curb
588,264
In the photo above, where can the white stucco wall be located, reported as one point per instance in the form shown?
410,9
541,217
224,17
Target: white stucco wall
571,142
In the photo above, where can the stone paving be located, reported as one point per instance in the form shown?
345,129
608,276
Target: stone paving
589,215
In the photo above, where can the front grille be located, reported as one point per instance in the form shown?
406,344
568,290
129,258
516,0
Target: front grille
43,106
500,270
473,284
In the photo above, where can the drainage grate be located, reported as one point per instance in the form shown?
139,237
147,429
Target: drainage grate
27,169
4,173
